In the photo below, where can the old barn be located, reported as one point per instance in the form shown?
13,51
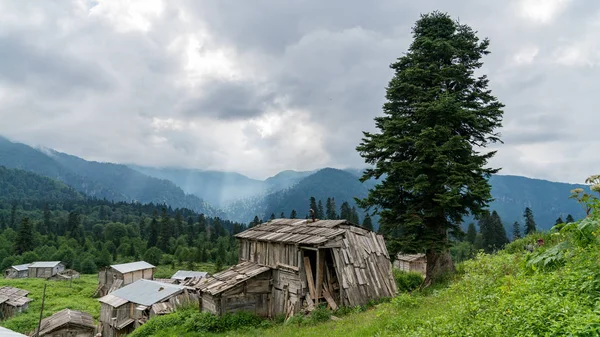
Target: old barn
125,309
45,269
287,264
13,301
68,323
18,271
119,275
411,263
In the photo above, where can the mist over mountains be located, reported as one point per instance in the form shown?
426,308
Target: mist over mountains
236,197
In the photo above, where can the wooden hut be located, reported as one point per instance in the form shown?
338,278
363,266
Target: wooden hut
65,275
288,264
125,309
68,323
4,332
119,275
45,269
411,263
13,301
18,271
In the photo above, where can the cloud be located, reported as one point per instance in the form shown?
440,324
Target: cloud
262,86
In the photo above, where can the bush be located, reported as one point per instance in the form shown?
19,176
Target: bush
407,281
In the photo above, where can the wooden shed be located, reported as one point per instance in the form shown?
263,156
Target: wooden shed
411,262
68,323
45,269
13,301
119,275
18,271
125,309
288,264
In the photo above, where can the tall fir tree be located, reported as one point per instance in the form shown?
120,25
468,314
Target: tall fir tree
320,210
345,211
559,221
166,231
471,233
24,240
201,223
516,230
178,228
13,216
368,222
45,228
293,214
282,215
530,225
272,216
569,218
190,230
313,205
437,117
154,231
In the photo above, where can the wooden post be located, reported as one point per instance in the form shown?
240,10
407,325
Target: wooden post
41,311
319,282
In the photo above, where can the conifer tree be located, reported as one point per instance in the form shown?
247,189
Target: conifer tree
166,231
368,222
328,209
282,216
46,227
569,219
559,221
24,240
293,214
320,210
313,205
516,230
530,225
154,231
272,216
201,223
178,229
437,117
471,233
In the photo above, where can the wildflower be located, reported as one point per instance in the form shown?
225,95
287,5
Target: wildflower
595,188
577,191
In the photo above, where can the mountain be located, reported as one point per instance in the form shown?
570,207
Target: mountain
101,180
17,184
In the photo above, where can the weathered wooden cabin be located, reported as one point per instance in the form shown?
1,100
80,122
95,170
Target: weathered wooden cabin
119,275
288,264
411,263
68,323
125,309
4,332
65,275
13,301
45,269
18,271
182,275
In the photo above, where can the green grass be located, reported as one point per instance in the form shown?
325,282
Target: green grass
59,295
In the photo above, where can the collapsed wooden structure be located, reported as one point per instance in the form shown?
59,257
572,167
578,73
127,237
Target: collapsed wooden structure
119,275
290,264
411,263
18,271
67,323
125,309
13,301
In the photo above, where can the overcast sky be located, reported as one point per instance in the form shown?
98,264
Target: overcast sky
262,86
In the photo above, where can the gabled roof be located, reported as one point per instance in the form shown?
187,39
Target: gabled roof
14,296
21,267
183,274
132,266
4,332
45,264
142,291
231,277
64,317
295,231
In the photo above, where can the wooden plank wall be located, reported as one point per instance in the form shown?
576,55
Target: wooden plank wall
269,253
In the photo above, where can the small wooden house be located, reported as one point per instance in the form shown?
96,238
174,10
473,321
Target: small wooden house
68,323
4,332
182,275
287,264
19,271
411,263
119,275
125,309
13,301
45,269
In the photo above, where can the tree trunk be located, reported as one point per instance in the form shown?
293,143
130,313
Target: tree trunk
438,265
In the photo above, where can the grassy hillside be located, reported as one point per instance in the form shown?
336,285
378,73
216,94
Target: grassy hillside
553,290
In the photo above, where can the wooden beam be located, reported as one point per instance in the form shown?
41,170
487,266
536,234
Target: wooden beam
328,298
309,277
320,266
309,248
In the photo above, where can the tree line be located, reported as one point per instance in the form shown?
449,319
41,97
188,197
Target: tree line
90,234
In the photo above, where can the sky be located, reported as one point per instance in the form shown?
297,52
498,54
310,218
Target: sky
261,86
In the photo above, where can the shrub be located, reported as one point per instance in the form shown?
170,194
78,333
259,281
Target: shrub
407,281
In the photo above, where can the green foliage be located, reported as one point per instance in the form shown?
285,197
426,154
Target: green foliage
436,112
153,256
407,281
530,225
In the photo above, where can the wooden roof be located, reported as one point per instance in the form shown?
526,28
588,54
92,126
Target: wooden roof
231,277
14,296
66,317
409,257
295,231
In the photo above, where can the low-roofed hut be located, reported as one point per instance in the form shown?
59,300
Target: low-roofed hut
18,271
119,275
125,309
411,263
45,269
288,264
12,301
67,323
